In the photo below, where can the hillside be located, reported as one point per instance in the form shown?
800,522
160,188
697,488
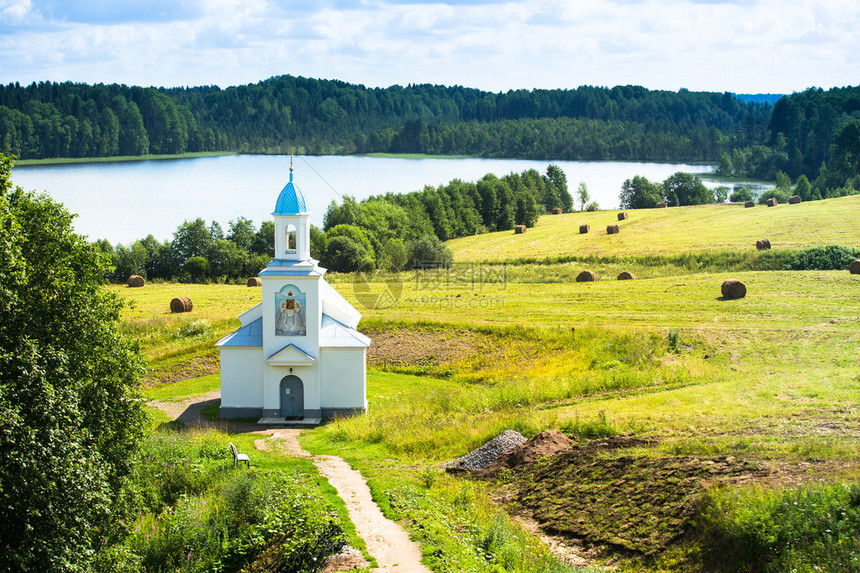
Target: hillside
671,232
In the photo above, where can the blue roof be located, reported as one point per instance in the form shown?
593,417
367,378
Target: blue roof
290,201
249,335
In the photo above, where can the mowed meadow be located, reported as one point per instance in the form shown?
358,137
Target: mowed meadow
507,339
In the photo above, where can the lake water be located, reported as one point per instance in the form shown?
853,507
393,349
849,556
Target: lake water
123,202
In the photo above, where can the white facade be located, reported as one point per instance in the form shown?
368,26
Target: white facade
297,354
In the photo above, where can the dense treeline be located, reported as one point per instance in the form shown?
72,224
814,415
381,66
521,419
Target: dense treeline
323,116
391,231
813,134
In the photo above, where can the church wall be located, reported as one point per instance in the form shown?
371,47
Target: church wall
342,381
241,382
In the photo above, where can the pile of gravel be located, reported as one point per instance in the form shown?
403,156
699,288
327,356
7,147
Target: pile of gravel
483,457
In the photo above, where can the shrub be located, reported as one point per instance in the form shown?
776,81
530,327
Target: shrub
802,529
782,196
741,195
829,258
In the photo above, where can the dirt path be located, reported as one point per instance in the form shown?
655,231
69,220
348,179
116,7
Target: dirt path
386,540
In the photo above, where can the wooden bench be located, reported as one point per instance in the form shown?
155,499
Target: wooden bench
238,458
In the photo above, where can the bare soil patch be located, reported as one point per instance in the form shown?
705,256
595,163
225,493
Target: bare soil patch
595,495
425,347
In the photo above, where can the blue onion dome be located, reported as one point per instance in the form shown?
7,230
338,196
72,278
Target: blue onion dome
290,201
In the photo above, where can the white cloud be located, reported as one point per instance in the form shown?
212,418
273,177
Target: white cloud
755,45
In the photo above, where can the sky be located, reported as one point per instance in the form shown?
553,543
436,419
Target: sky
741,46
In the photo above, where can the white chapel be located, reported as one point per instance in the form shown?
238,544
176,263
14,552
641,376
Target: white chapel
297,355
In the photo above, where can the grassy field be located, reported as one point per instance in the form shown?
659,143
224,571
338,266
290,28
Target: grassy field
673,231
117,159
772,379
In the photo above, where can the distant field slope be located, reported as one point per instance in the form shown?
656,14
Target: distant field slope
673,231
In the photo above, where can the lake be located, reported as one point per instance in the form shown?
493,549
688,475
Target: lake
123,202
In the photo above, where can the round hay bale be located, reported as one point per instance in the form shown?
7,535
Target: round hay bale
519,229
854,267
762,245
749,204
626,276
733,289
661,205
136,281
612,230
794,200
772,202
255,282
556,211
584,229
181,304
586,277
623,215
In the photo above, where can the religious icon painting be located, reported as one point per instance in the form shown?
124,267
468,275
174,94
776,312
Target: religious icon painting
290,318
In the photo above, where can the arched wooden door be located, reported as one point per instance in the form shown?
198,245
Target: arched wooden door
292,397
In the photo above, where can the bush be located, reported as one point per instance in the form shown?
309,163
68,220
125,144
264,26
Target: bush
802,529
429,251
829,258
741,195
781,195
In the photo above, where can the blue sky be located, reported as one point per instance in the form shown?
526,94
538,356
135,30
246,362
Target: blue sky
747,46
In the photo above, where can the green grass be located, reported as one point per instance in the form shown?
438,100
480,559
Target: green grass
417,156
184,389
673,231
117,159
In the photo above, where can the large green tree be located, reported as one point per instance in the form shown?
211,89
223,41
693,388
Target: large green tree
70,420
686,189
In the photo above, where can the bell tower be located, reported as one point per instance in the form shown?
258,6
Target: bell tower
292,225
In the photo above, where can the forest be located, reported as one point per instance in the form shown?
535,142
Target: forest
49,120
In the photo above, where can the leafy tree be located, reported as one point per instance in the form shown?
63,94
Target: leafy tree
783,181
348,249
582,195
318,242
192,239
264,240
429,251
721,193
196,269
241,233
70,418
686,189
639,193
741,195
803,189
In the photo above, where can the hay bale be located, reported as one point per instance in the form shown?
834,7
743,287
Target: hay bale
612,230
661,205
626,276
794,200
733,289
623,215
255,282
136,281
586,277
772,202
854,267
519,229
584,229
762,245
181,304
556,211
749,204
